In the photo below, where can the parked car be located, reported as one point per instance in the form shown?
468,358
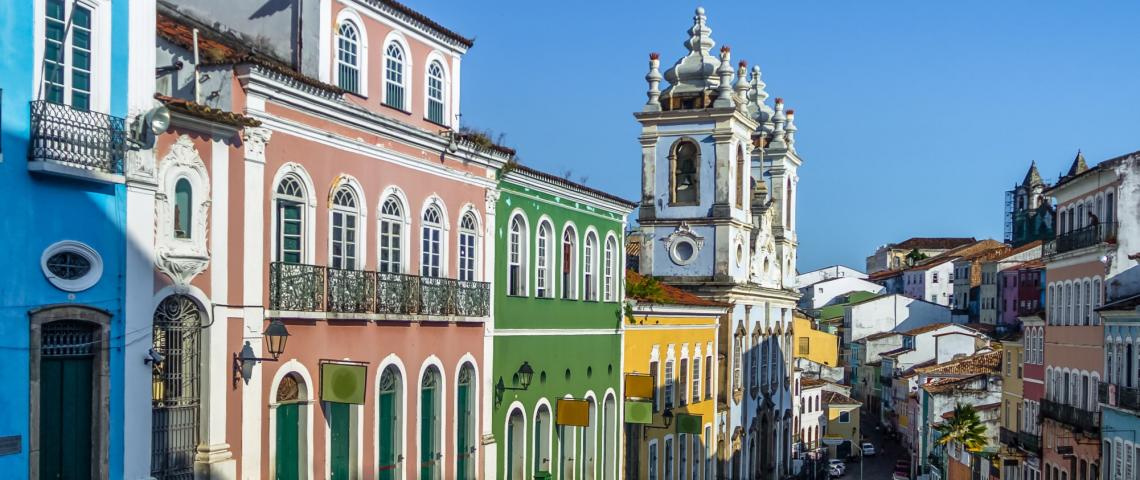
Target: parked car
835,472
836,463
868,449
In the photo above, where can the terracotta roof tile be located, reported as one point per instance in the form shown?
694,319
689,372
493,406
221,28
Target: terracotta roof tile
829,397
670,295
880,335
896,352
986,362
932,243
206,112
812,382
927,328
573,186
419,17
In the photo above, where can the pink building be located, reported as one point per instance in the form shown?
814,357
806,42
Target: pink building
344,207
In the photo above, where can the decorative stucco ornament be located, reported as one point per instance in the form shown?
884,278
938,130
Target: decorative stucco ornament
182,255
254,140
684,231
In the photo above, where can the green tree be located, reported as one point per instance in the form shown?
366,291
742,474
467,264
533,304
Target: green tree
964,427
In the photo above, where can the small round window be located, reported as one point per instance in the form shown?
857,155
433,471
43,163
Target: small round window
740,254
684,251
71,266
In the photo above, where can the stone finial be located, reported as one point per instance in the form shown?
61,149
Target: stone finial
724,91
742,85
654,80
790,129
697,70
778,120
758,97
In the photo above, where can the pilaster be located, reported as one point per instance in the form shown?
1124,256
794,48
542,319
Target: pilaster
490,453
253,265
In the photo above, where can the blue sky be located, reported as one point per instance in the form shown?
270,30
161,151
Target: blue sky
914,117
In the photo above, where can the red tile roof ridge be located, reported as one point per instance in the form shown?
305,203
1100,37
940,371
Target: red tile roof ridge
671,295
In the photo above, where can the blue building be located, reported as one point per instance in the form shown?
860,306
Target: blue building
1119,392
63,293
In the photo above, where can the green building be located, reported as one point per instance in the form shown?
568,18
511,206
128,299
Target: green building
557,338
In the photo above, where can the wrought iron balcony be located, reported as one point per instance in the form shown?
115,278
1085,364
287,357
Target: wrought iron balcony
1029,442
1081,238
1082,420
76,140
313,288
1008,437
1120,397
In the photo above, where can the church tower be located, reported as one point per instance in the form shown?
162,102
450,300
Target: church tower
717,217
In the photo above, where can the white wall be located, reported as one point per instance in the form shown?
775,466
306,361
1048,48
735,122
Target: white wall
892,312
947,345
835,271
823,293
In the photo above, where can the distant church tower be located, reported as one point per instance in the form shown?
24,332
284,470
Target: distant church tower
718,218
1029,215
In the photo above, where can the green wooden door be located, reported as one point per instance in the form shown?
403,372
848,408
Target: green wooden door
387,444
288,442
339,440
65,417
463,443
427,433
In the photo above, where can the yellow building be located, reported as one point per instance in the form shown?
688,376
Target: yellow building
814,345
1011,414
672,375
842,434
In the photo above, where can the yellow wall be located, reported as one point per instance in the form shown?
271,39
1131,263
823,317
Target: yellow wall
1011,385
849,430
661,328
822,347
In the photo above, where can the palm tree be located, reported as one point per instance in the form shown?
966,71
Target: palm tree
964,427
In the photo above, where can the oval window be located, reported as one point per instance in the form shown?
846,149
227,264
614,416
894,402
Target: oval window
71,266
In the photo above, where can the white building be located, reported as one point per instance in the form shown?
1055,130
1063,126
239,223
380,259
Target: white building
890,312
827,273
931,281
823,293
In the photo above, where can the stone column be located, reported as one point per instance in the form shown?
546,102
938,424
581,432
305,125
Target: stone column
490,453
253,264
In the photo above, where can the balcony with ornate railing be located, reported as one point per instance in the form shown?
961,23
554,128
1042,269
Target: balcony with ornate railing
295,287
1008,437
76,143
1030,442
1081,238
1079,418
1120,397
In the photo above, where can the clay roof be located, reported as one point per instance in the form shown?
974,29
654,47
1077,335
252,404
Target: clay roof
882,275
915,369
944,385
573,186
896,352
206,112
835,398
876,336
1035,264
927,328
812,382
670,295
932,243
429,23
977,363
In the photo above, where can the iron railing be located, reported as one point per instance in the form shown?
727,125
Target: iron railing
1122,397
1081,419
1081,238
1030,442
1008,437
313,288
76,138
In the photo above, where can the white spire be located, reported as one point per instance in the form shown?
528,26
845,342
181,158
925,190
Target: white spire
742,86
696,71
790,130
654,80
724,91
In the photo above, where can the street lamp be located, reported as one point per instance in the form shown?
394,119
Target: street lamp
666,418
276,336
524,376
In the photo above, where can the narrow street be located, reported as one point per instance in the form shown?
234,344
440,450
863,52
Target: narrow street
882,465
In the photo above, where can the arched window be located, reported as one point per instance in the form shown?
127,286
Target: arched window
435,93
394,76
290,200
589,266
544,261
569,263
177,326
610,270
432,248
1096,298
391,236
517,257
348,58
291,444
685,178
390,444
183,208
669,383
740,177
466,430
467,235
344,229
737,362
431,404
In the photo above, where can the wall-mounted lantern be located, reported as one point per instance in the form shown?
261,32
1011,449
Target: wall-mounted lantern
276,336
524,374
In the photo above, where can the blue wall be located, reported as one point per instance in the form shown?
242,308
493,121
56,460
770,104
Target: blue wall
43,210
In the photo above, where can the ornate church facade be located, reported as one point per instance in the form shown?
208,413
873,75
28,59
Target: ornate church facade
717,218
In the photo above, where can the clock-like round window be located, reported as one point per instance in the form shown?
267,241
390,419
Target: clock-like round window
71,266
684,251
740,254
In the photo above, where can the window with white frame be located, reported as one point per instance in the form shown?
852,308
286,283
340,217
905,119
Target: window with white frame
435,93
431,252
708,376
569,263
544,261
609,270
669,458
344,229
589,266
467,235
69,56
682,454
669,383
653,460
1096,298
683,390
391,236
348,57
516,257
696,379
394,76
289,207
655,374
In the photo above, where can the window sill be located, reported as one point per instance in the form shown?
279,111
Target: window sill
433,122
398,109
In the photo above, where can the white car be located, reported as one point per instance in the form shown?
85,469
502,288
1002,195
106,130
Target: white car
868,449
836,463
835,472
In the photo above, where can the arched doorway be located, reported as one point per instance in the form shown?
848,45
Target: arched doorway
609,439
465,424
516,436
290,456
390,443
589,444
175,386
430,412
